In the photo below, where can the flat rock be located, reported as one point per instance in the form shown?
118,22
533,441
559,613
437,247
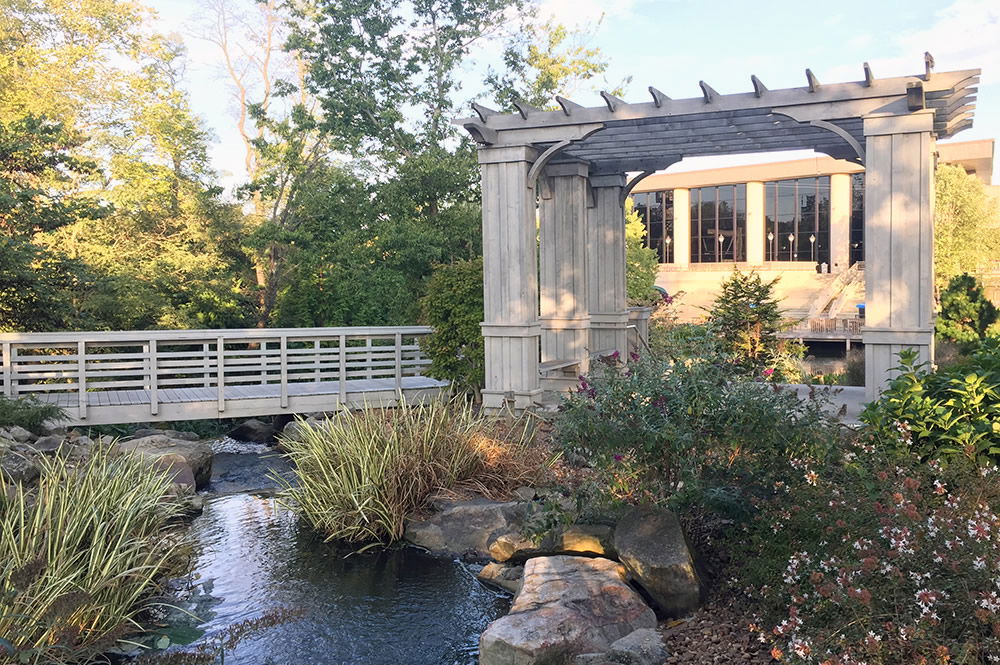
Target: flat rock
196,454
651,544
48,444
566,606
578,539
507,577
640,647
465,527
172,433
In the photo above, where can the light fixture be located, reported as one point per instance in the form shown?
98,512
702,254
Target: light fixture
667,240
770,235
720,238
812,238
791,237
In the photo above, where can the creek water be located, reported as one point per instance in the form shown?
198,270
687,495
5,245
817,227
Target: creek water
384,606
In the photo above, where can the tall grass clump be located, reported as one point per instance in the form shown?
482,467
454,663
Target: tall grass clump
80,555
360,474
28,412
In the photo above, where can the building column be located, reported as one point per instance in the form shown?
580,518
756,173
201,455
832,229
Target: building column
565,319
606,266
682,227
755,223
840,222
899,243
510,278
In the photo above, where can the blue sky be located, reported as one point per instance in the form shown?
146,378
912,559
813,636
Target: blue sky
672,44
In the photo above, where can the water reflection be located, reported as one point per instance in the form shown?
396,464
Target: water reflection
379,607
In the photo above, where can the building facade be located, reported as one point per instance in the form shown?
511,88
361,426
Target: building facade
802,221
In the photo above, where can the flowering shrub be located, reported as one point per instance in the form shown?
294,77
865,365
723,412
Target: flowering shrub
658,426
949,415
879,560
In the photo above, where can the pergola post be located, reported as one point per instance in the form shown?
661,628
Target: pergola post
682,227
840,222
606,265
899,242
510,278
562,225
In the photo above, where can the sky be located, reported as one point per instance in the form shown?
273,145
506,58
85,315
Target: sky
671,44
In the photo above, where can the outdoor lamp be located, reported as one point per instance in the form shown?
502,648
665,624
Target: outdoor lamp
791,237
812,239
770,235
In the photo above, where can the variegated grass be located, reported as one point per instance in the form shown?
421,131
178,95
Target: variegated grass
80,555
359,475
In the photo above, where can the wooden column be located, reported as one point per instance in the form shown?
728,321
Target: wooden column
510,278
562,231
755,223
682,227
606,265
899,242
840,222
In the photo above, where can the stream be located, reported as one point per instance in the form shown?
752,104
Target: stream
384,606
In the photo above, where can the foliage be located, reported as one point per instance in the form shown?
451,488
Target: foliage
80,555
543,60
27,412
965,219
659,426
951,415
453,306
359,475
748,318
966,314
641,262
876,558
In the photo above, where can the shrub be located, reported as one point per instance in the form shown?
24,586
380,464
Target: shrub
360,474
28,412
879,559
657,427
747,317
966,313
948,415
641,263
453,305
80,555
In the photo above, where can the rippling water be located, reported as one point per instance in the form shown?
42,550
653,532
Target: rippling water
380,607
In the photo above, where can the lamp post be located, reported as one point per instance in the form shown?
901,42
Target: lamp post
791,246
720,239
666,252
812,247
770,243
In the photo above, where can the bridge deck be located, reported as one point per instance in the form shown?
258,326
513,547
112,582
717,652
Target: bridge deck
150,376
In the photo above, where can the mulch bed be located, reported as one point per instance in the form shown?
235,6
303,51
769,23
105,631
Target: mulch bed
717,634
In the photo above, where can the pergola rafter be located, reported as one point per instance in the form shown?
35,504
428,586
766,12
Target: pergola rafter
579,151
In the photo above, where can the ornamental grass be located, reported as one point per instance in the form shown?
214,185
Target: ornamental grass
360,474
81,554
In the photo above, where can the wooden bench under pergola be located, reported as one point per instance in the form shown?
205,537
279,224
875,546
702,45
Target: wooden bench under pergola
560,178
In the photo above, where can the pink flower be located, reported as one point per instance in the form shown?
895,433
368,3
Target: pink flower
768,372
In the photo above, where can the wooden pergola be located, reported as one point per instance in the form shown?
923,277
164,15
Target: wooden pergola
560,178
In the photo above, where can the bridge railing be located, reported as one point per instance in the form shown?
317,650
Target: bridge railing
82,370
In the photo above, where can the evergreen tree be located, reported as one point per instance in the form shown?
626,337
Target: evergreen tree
966,314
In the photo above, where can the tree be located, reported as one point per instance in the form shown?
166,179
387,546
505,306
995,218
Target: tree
966,314
747,317
542,61
641,263
965,225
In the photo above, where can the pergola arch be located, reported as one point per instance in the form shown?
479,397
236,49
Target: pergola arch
545,324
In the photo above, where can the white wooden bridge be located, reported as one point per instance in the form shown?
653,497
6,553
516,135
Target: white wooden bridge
164,375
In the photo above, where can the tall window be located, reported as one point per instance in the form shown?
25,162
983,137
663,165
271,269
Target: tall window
656,210
797,220
857,218
719,224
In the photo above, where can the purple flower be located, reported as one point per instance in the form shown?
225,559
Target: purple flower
633,356
615,356
618,458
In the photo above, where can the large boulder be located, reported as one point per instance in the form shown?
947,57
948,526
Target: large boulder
172,433
465,527
16,433
197,455
253,431
651,544
642,647
566,606
578,539
18,465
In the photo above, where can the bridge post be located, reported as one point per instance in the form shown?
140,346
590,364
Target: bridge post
8,376
154,405
220,371
81,365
